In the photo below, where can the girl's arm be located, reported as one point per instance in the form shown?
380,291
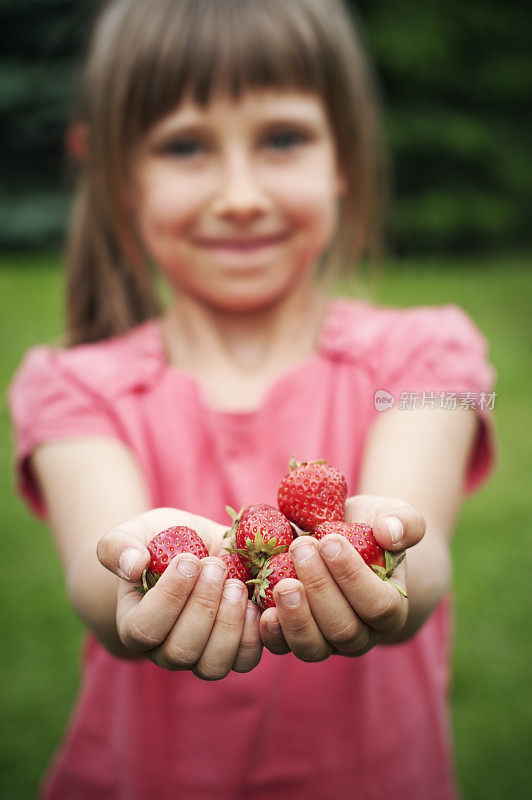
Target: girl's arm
422,457
90,486
413,470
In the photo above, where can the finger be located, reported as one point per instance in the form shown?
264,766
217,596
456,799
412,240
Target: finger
186,641
299,627
377,602
218,655
123,553
271,633
335,617
397,525
250,648
144,621
399,528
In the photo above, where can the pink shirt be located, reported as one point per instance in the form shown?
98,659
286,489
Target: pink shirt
365,728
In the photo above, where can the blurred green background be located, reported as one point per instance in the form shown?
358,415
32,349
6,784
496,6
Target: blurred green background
456,84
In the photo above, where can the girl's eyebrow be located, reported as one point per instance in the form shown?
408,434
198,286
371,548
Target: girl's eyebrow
197,126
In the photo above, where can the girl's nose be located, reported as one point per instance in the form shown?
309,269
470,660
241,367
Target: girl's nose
240,194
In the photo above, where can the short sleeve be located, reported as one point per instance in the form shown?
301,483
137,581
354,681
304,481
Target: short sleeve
436,357
47,402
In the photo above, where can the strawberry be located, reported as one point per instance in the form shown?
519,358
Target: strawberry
312,492
259,532
275,569
236,568
361,537
165,546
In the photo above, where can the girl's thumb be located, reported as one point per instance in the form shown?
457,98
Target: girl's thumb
123,555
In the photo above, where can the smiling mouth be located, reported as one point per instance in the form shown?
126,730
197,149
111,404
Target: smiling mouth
243,245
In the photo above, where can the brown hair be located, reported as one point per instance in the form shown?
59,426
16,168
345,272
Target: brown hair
144,55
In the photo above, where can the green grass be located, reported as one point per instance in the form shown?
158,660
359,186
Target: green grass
491,707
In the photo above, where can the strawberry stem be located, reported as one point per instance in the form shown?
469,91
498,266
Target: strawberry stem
232,513
401,591
144,581
385,573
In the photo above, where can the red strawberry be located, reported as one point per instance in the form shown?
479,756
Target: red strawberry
275,569
259,532
312,492
236,568
165,546
362,538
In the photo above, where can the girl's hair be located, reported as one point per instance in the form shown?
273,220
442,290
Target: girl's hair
144,56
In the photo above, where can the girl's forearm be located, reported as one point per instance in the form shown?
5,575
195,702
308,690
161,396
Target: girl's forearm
92,593
428,579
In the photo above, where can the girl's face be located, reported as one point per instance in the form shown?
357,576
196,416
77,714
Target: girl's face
238,201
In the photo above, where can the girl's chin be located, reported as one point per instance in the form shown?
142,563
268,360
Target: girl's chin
247,300
244,303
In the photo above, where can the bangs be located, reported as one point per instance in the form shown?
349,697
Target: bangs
199,48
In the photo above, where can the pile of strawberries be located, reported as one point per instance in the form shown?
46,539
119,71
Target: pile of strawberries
311,501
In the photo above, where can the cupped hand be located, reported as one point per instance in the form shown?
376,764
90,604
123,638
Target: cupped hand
338,605
194,618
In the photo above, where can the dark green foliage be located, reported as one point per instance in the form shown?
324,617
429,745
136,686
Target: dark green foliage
40,42
456,80
455,77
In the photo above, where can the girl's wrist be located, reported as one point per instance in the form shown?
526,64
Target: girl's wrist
429,580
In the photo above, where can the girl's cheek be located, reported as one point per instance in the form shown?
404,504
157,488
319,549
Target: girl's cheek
310,207
309,190
170,208
164,188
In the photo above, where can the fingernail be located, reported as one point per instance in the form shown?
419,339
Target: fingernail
252,612
395,526
290,599
273,627
128,559
331,548
233,592
214,571
188,567
302,552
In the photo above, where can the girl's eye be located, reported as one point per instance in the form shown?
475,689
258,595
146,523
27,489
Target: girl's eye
182,148
285,140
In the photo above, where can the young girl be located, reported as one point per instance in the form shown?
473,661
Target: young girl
232,146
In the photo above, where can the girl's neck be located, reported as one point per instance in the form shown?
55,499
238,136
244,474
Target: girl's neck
235,355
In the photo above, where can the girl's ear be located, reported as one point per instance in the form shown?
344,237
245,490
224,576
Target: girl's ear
77,141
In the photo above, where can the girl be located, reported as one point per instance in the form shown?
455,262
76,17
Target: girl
232,146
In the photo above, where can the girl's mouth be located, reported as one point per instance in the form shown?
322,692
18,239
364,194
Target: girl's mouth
248,245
